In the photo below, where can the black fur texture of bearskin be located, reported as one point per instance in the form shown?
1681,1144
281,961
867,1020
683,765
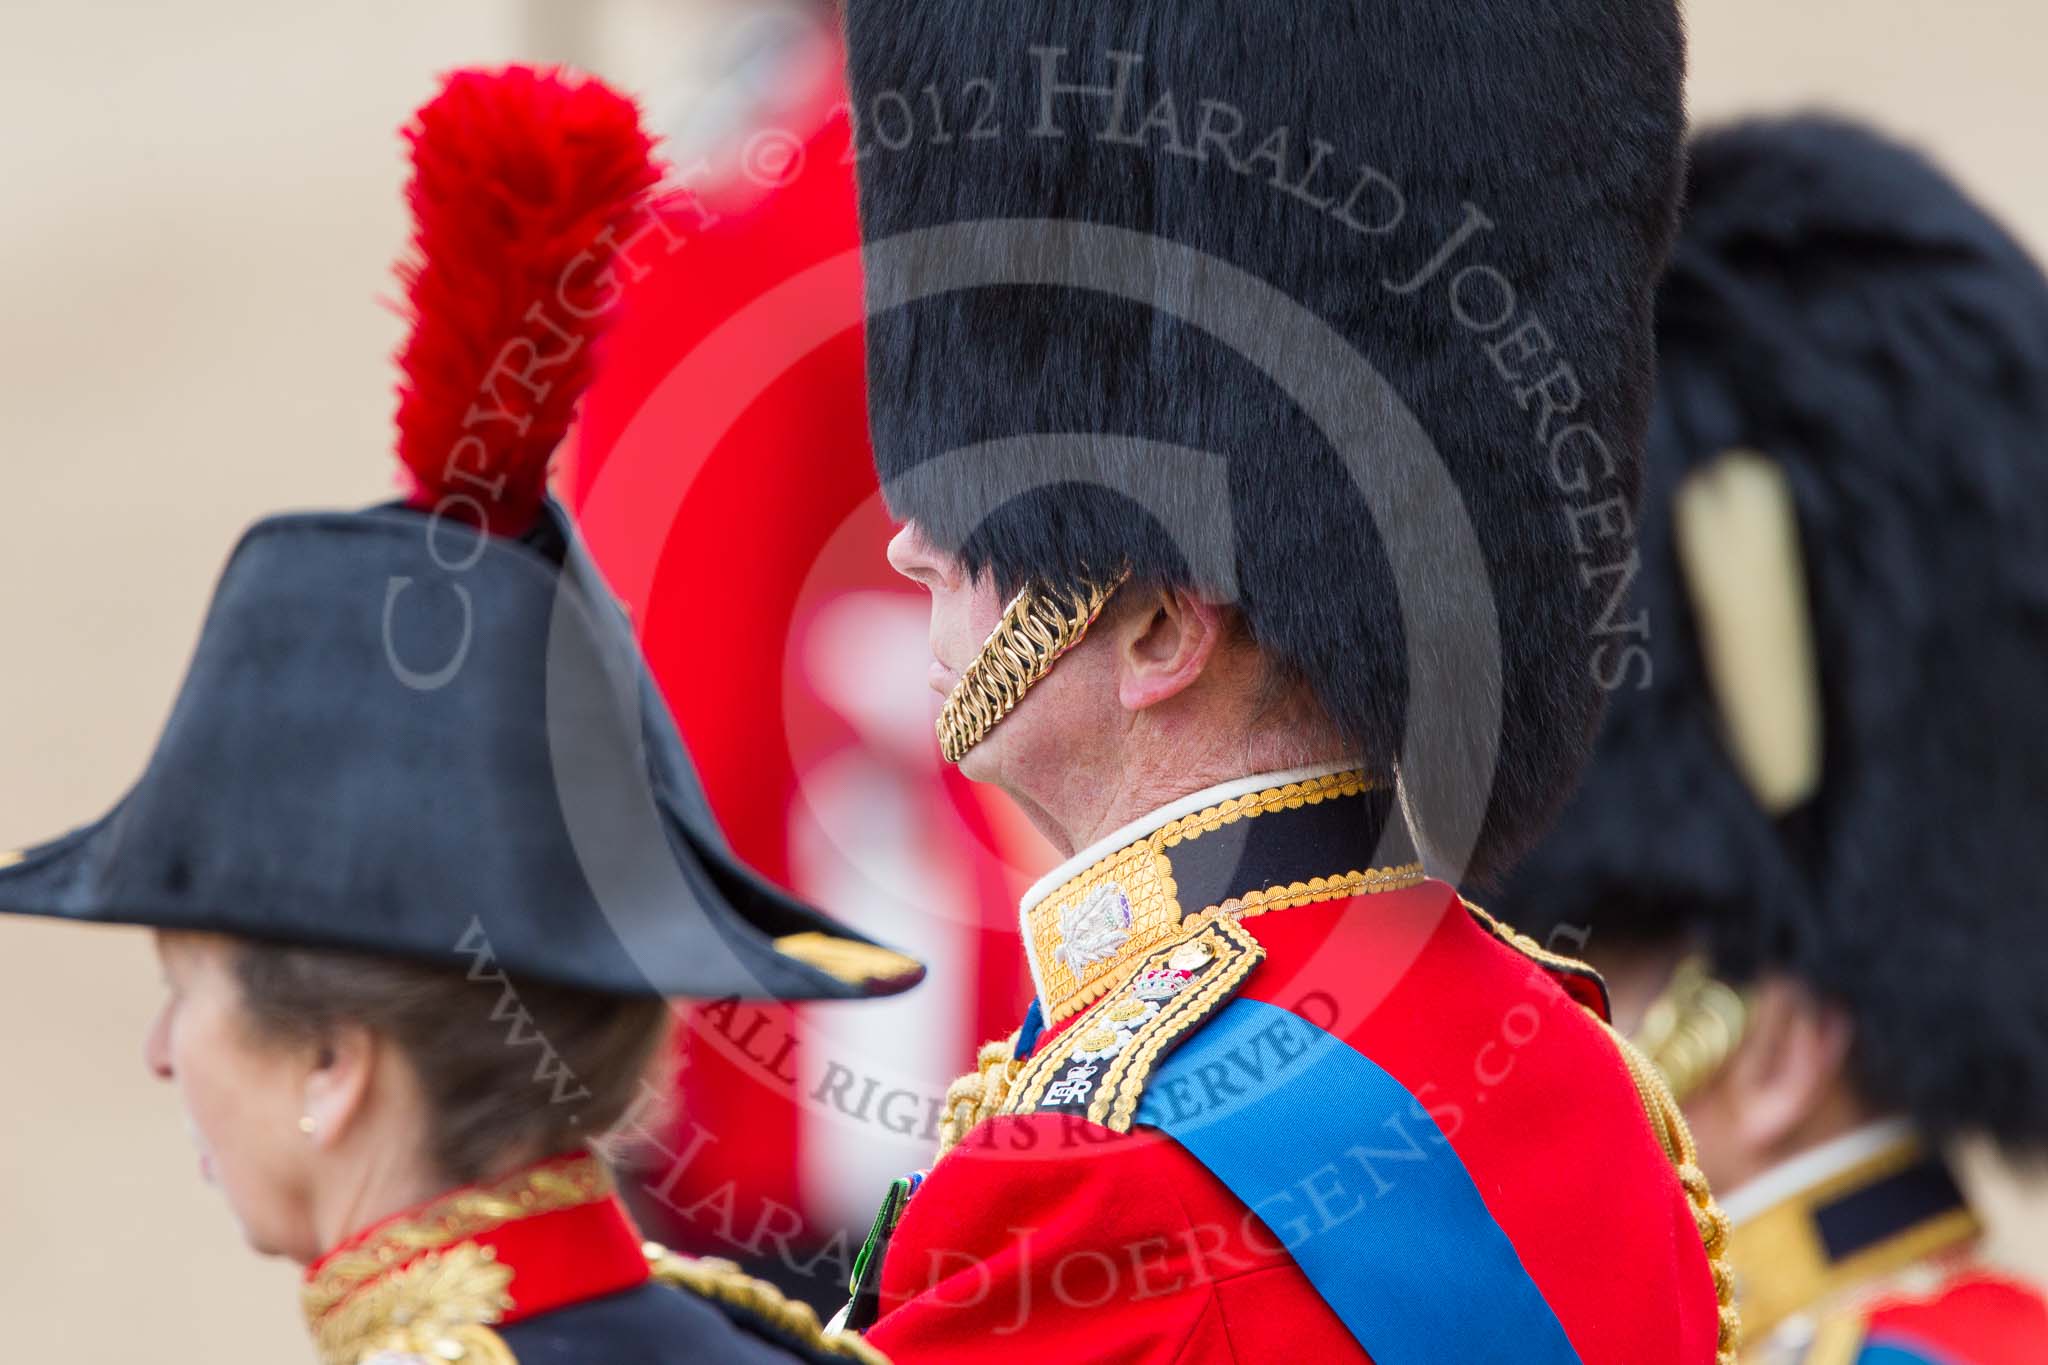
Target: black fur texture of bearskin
1836,303
1519,369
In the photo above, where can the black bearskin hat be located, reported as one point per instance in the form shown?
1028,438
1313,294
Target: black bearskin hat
1340,313
1840,307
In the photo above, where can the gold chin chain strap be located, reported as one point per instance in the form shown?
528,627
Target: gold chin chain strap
1036,628
1693,1027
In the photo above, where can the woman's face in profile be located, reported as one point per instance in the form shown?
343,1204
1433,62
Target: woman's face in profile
243,1097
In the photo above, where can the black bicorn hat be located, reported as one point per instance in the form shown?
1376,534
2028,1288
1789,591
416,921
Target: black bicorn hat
1853,395
425,730
1339,313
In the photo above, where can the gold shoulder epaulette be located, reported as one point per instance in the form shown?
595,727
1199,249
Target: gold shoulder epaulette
1098,1065
732,1289
981,1093
438,1308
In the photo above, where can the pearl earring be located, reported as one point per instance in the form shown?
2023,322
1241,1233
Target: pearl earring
307,1126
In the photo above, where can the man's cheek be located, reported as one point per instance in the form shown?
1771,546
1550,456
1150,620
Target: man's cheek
954,637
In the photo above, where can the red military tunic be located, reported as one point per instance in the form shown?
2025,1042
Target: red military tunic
545,1267
1054,1231
1863,1252
1971,1316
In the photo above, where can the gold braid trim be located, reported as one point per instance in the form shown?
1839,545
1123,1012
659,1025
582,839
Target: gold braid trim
1036,628
1668,1123
980,1093
1676,1139
465,1214
1144,872
1526,946
1316,890
1224,952
725,1283
1236,953
847,960
438,1308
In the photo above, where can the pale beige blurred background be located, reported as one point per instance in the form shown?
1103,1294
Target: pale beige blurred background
198,205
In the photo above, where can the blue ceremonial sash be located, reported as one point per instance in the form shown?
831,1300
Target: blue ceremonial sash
1893,1354
1352,1175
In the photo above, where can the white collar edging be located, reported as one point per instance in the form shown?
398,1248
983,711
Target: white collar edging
1791,1178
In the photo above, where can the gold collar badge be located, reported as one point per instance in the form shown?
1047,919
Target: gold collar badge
1084,937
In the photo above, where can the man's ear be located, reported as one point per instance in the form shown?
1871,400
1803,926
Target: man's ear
1794,1051
338,1083
1164,645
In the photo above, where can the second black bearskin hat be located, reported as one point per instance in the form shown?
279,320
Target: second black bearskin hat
1839,307
1159,241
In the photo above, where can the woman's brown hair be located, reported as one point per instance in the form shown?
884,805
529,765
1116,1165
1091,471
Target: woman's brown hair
510,1072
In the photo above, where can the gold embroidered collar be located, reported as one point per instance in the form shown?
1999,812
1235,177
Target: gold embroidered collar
1844,1229
431,1283
1265,843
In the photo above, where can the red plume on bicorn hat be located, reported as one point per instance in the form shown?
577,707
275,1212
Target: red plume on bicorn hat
526,187
425,729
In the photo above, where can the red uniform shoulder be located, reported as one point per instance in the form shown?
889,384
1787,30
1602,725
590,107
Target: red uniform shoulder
1976,1317
1534,1095
1044,1236
1057,1234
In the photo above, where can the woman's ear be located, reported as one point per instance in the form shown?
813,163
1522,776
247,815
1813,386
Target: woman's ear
1163,647
341,1068
1793,1058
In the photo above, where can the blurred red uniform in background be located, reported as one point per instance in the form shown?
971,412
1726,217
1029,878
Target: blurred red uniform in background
722,476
